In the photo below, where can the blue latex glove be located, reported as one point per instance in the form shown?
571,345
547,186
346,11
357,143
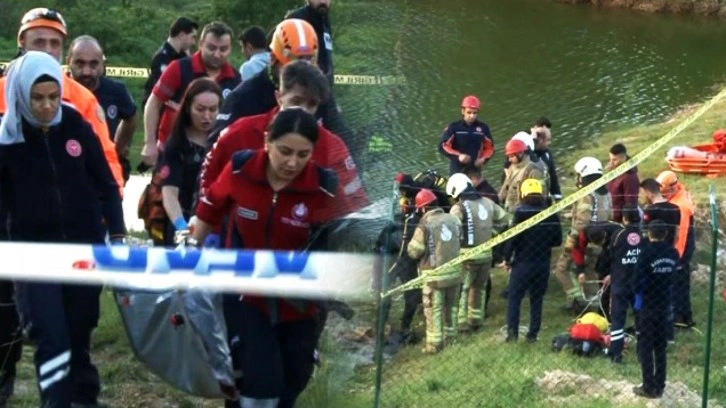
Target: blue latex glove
212,241
180,224
638,302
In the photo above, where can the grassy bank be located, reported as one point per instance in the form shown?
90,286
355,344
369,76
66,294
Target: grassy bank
681,7
482,371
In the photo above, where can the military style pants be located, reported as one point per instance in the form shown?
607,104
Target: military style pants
440,311
568,279
473,293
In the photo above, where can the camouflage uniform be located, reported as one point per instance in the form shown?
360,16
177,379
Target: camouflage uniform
435,242
591,208
478,217
514,175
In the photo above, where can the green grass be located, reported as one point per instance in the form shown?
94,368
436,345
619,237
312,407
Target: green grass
481,370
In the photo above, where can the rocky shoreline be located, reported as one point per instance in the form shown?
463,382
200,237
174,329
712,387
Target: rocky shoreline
682,7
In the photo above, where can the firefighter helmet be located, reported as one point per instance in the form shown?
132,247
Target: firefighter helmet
293,39
424,198
587,166
457,183
530,186
514,146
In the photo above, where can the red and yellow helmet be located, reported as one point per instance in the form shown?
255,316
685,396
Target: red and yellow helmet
293,39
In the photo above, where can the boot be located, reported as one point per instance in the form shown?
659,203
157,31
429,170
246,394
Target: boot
512,336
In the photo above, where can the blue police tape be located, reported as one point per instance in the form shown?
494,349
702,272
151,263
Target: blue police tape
261,272
245,263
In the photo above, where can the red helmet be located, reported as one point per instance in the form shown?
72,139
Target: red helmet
471,102
424,198
514,146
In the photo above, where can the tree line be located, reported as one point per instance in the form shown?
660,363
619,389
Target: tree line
132,30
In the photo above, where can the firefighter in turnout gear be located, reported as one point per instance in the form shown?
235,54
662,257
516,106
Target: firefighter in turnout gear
435,242
595,207
521,168
479,217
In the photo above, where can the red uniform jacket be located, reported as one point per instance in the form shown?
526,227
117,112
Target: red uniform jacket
330,152
260,218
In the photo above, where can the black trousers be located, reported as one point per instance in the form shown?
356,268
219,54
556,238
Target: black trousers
682,312
11,345
527,277
60,318
276,360
652,351
404,271
620,301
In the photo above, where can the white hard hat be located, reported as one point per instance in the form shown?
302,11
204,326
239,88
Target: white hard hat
588,166
526,138
457,183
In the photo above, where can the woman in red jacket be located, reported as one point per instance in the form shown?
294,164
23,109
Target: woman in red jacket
275,198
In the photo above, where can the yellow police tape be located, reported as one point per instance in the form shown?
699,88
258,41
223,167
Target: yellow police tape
131,72
441,273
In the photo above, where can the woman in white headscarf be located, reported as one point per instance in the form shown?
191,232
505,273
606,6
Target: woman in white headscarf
55,186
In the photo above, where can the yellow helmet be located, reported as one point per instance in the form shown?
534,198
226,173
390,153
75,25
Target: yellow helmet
596,319
530,186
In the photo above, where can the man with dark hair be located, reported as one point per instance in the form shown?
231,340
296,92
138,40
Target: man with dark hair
210,60
655,268
87,65
253,43
542,135
182,36
659,208
616,266
624,189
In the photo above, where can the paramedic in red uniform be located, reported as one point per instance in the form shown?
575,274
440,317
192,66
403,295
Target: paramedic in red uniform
211,60
275,198
303,85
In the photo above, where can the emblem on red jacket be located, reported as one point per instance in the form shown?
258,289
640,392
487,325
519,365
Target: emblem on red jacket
299,211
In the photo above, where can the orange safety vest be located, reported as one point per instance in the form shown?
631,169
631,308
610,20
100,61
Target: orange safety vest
82,100
685,204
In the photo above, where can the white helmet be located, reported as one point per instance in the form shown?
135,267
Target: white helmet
588,166
457,183
526,138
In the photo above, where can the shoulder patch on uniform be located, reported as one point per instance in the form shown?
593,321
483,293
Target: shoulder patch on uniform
328,180
633,238
240,158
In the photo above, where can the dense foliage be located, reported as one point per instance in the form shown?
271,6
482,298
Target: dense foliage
131,30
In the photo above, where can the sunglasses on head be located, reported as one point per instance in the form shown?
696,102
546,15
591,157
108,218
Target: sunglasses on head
42,13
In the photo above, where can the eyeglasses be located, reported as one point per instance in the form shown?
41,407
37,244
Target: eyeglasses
42,13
